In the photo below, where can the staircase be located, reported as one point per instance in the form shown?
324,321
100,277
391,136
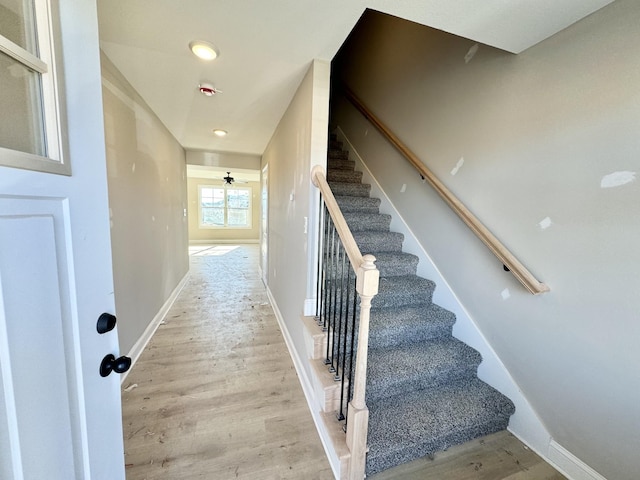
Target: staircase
423,392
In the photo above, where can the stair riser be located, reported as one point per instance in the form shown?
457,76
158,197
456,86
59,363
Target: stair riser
411,385
401,299
358,204
391,459
402,327
366,222
350,189
345,176
371,242
337,154
340,164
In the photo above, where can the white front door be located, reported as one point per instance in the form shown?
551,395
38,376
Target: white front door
59,419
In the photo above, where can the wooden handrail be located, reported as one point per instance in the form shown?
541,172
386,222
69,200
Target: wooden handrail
499,250
353,252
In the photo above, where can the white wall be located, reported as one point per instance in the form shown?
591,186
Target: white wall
148,204
536,136
299,142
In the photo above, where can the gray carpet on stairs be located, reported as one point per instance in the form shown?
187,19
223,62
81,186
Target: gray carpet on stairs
423,392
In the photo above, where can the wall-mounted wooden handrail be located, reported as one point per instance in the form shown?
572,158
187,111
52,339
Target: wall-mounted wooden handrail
499,250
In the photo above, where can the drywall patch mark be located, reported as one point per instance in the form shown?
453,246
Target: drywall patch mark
403,188
617,179
458,165
133,167
505,294
471,53
545,223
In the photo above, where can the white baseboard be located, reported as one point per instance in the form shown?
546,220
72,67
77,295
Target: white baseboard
307,388
570,465
142,342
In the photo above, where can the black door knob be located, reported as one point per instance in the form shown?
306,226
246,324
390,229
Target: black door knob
111,363
106,323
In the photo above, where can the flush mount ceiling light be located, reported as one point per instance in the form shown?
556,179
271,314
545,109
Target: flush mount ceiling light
208,89
203,50
219,132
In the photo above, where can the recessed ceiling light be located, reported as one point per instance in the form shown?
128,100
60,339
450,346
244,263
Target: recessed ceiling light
219,132
203,50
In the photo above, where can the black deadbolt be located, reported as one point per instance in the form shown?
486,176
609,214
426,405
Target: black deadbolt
106,323
111,363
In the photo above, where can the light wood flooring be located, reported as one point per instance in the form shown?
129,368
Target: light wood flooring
215,395
500,456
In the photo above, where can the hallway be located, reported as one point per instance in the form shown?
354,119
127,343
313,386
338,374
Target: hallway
215,394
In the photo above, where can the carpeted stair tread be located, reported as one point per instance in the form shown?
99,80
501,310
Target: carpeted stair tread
358,204
345,176
394,264
378,241
401,326
404,290
359,221
350,189
411,425
335,144
335,153
417,366
340,164
423,393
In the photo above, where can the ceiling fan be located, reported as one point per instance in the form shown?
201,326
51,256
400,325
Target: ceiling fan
229,180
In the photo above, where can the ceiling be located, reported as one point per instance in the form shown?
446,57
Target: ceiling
266,47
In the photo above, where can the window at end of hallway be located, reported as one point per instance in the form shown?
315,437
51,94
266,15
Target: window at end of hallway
224,207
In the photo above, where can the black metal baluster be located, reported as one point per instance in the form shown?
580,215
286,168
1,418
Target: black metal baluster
341,318
334,296
354,325
330,324
345,374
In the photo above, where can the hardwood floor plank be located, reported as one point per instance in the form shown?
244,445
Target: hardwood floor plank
216,393
500,456
217,397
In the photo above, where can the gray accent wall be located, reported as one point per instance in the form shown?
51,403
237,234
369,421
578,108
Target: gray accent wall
544,148
148,206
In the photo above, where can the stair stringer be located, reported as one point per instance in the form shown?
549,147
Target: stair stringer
524,423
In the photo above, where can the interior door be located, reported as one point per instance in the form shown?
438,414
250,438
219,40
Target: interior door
59,418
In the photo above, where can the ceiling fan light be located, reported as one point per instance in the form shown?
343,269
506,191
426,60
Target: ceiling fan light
219,132
203,50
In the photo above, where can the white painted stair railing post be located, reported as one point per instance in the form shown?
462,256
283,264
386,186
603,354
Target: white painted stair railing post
367,282
358,425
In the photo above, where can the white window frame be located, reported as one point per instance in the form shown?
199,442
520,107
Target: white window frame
46,64
226,226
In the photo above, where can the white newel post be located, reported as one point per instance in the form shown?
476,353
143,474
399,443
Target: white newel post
358,420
